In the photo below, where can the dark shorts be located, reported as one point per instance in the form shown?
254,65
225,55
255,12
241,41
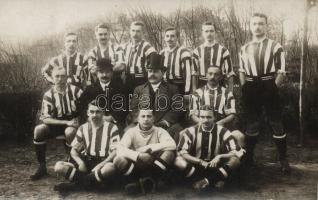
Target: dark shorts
259,95
90,162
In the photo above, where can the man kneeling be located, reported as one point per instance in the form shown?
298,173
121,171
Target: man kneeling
145,154
92,152
207,153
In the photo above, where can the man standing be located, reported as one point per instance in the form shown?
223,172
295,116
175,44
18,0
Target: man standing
59,116
177,62
211,53
104,49
136,54
71,60
262,68
208,153
109,94
92,152
145,153
163,98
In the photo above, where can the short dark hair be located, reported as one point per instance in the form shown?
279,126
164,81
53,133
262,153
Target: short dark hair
137,23
260,15
144,108
209,23
173,29
69,34
102,25
93,103
206,108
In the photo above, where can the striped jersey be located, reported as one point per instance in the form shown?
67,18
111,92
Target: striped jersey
113,52
73,65
99,142
60,106
136,56
216,55
261,59
220,98
178,64
207,144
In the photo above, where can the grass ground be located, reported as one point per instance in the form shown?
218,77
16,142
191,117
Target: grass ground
17,162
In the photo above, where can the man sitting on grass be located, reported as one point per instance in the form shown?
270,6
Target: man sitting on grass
145,153
92,152
208,153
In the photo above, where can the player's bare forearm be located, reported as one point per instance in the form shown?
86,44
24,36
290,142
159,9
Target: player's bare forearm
111,157
227,155
51,121
226,120
242,78
162,146
127,153
191,159
230,82
76,157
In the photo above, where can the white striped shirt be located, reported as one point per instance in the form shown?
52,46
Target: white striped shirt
135,56
216,55
220,98
73,65
178,64
60,106
98,142
262,59
112,52
207,144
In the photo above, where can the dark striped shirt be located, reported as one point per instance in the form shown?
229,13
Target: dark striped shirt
262,59
60,106
207,144
178,64
215,55
73,65
98,142
135,57
220,98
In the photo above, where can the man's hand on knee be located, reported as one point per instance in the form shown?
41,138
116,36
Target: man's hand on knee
145,158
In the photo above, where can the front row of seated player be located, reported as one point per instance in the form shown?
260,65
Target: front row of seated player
207,153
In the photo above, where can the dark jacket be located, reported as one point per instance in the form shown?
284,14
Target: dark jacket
109,101
163,102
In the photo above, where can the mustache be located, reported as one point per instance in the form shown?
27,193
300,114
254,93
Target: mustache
152,77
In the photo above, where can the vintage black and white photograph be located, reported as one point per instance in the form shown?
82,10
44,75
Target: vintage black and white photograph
159,99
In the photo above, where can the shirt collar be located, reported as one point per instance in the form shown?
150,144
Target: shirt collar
107,45
171,50
104,85
64,92
208,87
206,44
69,55
136,44
155,86
207,130
259,41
